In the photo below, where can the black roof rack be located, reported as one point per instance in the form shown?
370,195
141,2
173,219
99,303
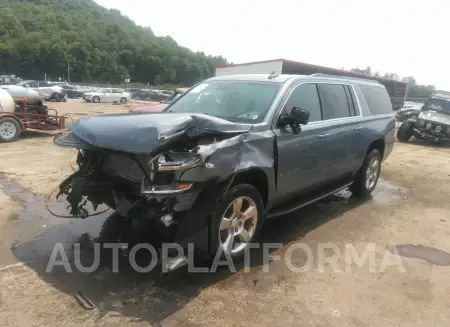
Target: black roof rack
346,77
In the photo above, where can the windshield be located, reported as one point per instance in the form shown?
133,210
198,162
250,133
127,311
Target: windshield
172,98
441,105
243,102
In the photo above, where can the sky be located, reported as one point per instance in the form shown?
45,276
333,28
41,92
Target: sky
395,36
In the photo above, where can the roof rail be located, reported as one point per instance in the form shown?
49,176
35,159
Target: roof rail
273,75
346,77
441,94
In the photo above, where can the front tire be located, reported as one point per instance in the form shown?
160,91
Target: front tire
123,100
96,99
367,177
405,132
236,222
9,129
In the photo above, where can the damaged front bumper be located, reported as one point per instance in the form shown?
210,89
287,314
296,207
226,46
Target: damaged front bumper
172,194
432,135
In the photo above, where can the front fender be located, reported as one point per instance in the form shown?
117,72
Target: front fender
412,120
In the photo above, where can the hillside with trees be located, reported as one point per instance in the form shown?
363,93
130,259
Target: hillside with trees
415,91
101,45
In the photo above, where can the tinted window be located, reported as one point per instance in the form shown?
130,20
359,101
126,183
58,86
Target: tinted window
377,99
334,101
306,97
351,101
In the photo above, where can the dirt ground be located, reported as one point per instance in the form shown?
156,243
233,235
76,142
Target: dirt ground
409,212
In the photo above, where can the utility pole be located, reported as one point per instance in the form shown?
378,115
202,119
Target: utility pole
68,71
45,77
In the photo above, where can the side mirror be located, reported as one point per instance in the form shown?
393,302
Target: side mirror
300,115
297,117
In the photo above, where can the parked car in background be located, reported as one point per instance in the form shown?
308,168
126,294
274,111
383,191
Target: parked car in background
163,104
108,95
431,123
169,93
150,95
230,153
410,110
46,90
9,80
73,92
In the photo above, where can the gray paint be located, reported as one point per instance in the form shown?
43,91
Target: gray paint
291,162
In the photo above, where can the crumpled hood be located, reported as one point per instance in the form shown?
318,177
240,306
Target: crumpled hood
144,132
152,108
435,116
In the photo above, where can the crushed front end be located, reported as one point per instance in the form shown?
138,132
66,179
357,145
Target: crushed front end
432,126
170,190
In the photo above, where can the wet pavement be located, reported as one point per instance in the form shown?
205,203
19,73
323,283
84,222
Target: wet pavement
153,298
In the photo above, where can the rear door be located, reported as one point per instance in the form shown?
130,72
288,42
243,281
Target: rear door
113,95
341,117
103,94
299,158
109,95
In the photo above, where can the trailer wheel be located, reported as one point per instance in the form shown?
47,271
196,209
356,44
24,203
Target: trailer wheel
9,129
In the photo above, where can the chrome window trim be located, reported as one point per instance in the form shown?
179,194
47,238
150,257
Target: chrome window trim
288,94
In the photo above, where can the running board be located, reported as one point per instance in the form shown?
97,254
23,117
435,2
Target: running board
307,200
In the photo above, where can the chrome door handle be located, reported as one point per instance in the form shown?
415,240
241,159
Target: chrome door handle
322,136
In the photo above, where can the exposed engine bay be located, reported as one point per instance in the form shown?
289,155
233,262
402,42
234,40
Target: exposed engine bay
172,182
121,180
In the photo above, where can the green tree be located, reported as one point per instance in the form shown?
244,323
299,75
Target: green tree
40,36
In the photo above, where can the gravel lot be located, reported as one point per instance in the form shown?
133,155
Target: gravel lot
410,209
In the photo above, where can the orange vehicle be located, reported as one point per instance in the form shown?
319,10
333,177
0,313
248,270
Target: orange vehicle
163,104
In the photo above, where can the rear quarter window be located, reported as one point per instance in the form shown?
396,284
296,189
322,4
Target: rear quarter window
377,99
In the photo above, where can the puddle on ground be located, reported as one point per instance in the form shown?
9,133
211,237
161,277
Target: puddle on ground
429,254
35,232
35,224
387,192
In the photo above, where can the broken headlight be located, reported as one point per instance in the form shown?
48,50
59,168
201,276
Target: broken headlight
166,163
171,189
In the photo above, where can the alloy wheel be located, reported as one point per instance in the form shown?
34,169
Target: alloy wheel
238,225
372,173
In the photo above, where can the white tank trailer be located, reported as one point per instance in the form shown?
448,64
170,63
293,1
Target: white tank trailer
6,102
19,93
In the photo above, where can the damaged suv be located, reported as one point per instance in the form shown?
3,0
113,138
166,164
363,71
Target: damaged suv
432,123
230,153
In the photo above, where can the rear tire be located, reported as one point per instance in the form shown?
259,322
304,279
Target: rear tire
405,132
9,129
237,224
367,177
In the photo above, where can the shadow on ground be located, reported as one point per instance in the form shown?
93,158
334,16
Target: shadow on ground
32,134
150,297
429,144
